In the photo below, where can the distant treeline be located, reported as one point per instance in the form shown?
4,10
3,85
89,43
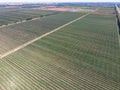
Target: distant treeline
31,5
88,4
34,5
4,5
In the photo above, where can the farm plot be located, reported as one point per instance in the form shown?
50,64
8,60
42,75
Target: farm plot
81,56
16,35
17,15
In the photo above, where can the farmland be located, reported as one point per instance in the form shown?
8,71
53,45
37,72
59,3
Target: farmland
81,56
13,15
16,35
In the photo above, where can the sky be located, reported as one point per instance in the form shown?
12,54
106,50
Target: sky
59,1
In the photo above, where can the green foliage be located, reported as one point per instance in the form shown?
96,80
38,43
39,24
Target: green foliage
81,56
8,16
18,34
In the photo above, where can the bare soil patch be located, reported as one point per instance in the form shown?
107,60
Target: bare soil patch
54,8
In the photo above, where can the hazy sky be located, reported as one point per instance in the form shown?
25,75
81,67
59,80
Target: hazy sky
59,0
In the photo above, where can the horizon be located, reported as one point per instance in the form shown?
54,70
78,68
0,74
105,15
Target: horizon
60,1
53,2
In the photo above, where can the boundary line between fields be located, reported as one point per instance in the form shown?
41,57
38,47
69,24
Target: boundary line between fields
19,22
23,21
29,42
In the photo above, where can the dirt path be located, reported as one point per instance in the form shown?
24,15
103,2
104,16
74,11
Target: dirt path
23,21
29,42
19,22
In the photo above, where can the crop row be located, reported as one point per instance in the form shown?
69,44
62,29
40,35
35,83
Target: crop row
13,16
16,35
81,56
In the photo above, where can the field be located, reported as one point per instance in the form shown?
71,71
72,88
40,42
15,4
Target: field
81,56
16,35
13,15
